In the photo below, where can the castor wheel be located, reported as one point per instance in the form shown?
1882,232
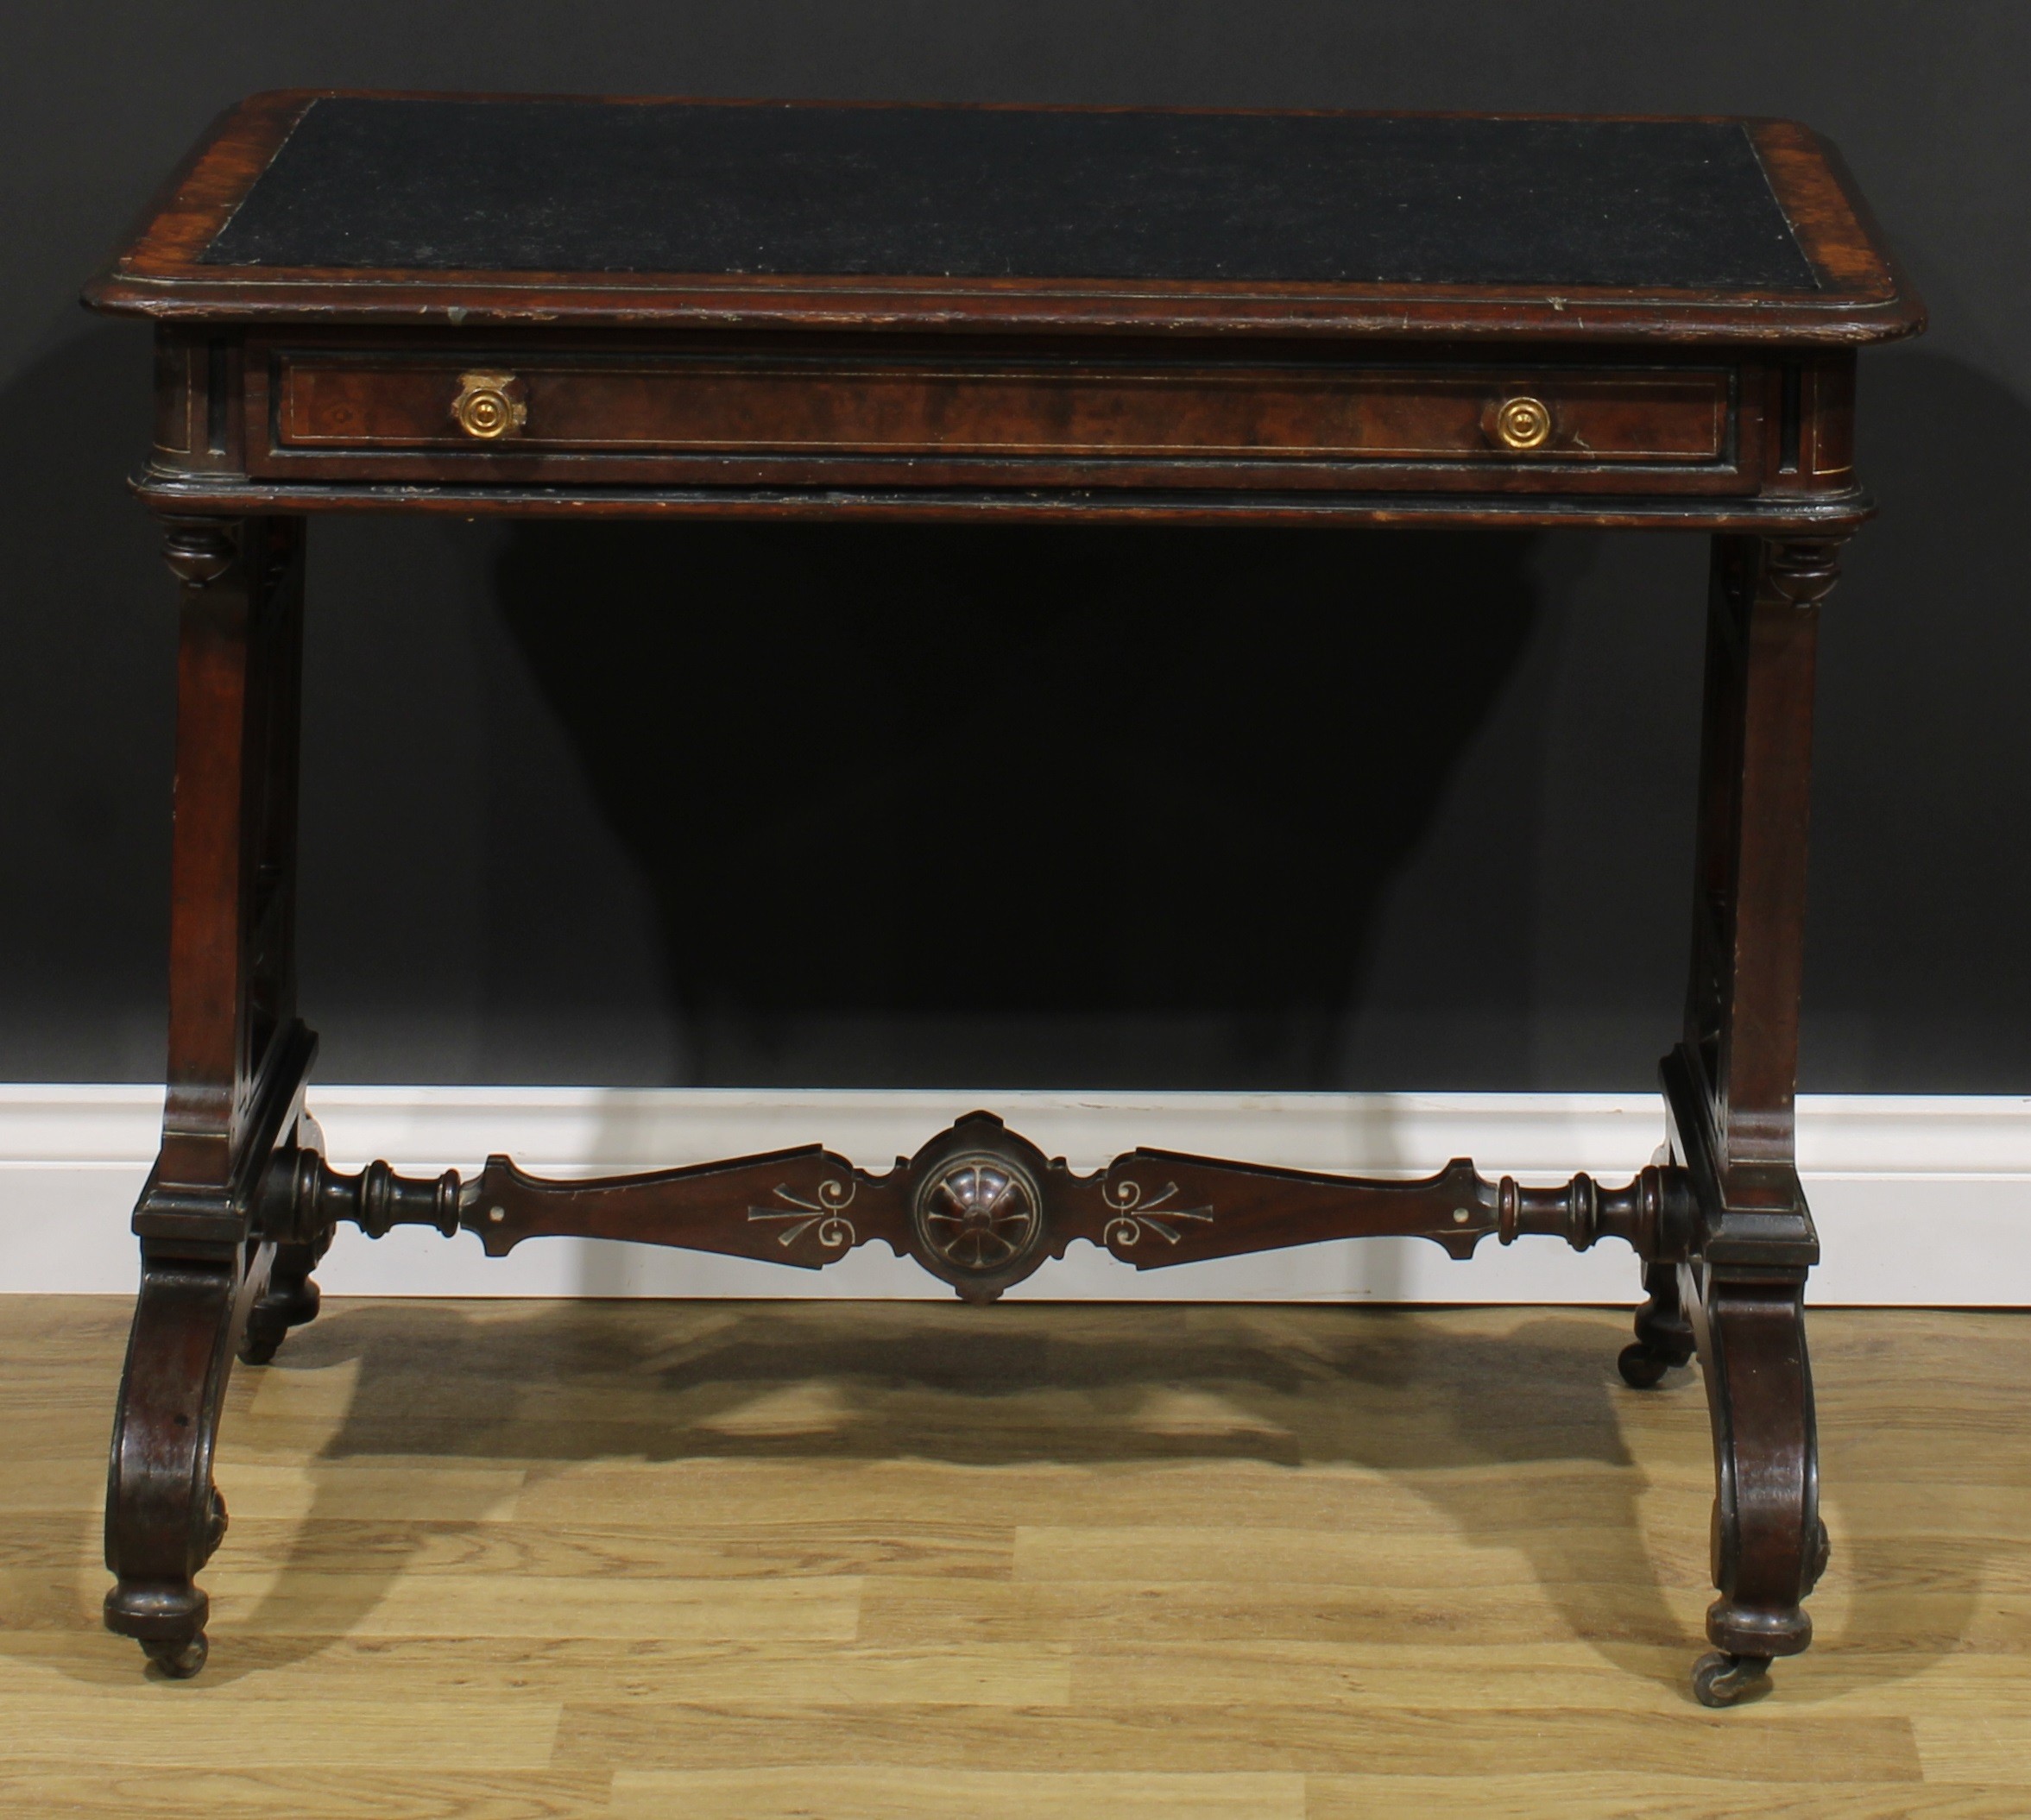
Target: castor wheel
257,1349
1642,1369
1721,1679
180,1658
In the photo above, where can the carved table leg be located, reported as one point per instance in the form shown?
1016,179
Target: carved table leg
1730,1088
1768,1545
237,1061
164,1517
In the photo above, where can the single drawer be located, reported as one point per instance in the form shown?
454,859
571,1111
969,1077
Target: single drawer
557,413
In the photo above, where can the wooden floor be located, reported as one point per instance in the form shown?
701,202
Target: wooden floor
738,1561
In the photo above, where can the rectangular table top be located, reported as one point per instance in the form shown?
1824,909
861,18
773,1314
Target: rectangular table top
1021,193
366,207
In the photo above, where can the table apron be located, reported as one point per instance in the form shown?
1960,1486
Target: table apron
775,418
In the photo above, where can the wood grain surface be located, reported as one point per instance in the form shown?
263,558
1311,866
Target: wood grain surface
527,1559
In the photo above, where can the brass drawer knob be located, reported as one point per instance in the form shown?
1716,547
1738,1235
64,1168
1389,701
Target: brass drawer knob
1523,423
489,404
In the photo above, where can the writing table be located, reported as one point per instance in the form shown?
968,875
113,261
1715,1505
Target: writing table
566,305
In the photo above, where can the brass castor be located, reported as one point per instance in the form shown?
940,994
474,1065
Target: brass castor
1640,1368
180,1658
1721,1679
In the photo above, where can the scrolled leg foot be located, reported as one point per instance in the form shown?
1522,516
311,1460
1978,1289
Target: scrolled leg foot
1769,1544
292,1301
1722,1679
167,1618
1641,1368
164,1517
1664,1337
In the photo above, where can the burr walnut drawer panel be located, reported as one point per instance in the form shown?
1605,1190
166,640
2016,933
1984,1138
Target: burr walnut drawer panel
491,416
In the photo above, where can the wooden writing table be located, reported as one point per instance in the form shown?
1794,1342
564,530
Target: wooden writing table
653,308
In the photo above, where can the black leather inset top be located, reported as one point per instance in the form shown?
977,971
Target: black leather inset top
980,193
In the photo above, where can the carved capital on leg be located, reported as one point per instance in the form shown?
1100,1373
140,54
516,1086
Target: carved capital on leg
199,550
1802,570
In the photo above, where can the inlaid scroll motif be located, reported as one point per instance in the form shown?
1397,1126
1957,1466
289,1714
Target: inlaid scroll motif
798,1215
1130,1216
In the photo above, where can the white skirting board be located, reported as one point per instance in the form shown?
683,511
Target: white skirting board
1921,1201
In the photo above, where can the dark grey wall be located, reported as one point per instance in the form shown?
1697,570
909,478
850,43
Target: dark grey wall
834,806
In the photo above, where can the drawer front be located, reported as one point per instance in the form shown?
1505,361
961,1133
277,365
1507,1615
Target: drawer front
488,413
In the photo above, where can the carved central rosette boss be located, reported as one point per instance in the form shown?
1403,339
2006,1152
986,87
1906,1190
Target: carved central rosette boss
979,1210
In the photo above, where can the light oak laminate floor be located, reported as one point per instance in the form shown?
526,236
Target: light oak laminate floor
737,1561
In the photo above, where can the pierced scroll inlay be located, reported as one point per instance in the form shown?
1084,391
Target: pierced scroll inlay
799,1216
1130,1216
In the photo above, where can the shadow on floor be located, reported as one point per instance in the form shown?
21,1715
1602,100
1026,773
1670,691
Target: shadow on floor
555,1385
551,1386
